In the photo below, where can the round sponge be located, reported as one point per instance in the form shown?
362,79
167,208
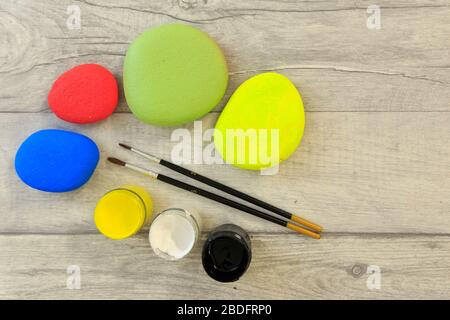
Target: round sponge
173,74
84,94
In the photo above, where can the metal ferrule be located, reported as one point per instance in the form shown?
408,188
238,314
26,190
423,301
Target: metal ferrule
142,170
146,155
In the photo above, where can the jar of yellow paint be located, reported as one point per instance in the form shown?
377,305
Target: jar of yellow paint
122,212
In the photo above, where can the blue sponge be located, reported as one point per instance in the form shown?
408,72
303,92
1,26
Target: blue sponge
56,160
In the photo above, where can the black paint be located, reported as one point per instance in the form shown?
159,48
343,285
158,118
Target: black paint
227,253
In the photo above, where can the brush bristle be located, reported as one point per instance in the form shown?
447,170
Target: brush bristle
124,146
116,161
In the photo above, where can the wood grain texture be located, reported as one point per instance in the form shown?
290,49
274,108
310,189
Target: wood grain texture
354,172
334,267
323,46
373,168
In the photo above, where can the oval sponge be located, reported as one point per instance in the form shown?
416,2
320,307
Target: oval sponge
84,94
262,123
56,160
173,74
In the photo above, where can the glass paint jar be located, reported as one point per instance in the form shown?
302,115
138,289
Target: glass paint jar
227,253
122,212
174,233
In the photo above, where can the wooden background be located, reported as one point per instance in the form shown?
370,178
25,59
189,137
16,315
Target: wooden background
373,167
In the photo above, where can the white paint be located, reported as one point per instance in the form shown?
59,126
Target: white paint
173,234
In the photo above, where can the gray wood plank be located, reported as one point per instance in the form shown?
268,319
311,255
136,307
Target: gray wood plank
34,266
378,181
337,63
354,172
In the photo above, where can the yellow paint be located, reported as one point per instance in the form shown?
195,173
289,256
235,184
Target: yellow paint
122,212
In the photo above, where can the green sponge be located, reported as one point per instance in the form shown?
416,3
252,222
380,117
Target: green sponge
173,74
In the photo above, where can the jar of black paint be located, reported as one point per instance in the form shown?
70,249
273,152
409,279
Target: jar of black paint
227,253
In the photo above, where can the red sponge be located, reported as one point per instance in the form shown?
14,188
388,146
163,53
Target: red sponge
84,94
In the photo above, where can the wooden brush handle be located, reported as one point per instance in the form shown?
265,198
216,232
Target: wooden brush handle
220,199
239,194
235,205
304,231
306,223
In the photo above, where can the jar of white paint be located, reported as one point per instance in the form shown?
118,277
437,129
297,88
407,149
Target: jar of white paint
173,233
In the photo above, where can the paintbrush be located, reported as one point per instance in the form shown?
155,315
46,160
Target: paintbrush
224,188
216,198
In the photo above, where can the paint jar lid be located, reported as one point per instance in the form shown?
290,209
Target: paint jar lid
120,213
227,253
